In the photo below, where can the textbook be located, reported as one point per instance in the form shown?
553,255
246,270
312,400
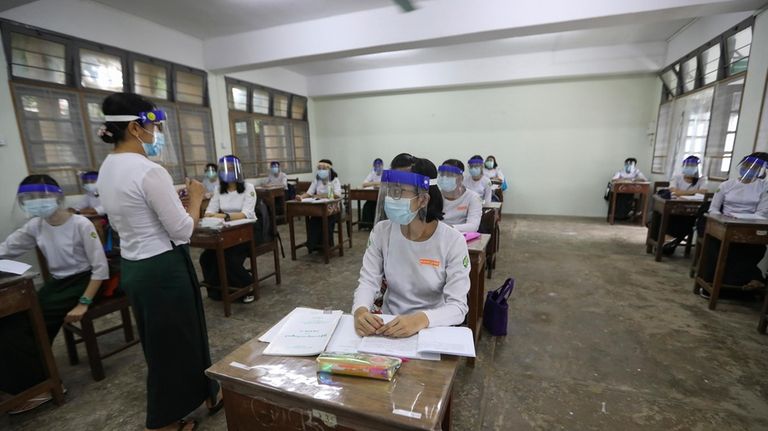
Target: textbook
305,332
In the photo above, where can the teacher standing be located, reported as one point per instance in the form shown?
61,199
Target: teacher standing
156,271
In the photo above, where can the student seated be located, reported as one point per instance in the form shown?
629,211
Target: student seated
494,174
211,181
688,182
276,176
747,194
425,262
326,185
625,203
77,265
462,208
476,181
372,180
234,200
89,205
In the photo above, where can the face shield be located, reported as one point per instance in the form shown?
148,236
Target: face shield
403,198
230,170
323,172
274,168
154,123
449,181
88,180
378,167
691,167
39,200
210,173
475,166
750,169
630,167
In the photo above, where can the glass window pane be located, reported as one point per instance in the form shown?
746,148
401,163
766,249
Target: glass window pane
298,107
36,58
722,131
260,101
710,60
197,140
281,105
670,80
238,97
738,51
150,80
95,120
689,74
100,70
189,88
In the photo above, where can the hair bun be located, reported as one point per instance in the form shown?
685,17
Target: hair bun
107,133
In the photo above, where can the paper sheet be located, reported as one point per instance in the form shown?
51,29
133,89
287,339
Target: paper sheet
398,347
696,197
13,267
748,216
451,340
345,339
315,200
238,222
305,333
268,336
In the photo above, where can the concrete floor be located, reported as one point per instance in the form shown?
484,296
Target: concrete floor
601,338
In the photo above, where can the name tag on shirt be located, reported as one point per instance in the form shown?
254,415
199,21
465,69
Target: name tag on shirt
430,262
462,207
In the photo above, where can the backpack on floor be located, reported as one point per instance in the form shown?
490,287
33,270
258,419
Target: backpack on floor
262,229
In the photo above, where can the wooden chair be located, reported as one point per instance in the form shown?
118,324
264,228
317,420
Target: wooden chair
658,185
763,323
271,247
302,186
699,240
346,212
489,223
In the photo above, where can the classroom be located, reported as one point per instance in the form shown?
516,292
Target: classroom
383,215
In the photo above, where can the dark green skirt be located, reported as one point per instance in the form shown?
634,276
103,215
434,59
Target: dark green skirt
165,296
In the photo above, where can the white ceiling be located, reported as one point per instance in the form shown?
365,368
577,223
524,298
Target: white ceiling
212,18
627,34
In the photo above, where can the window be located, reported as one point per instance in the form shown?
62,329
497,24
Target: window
39,59
670,80
710,63
281,105
150,80
761,141
244,136
100,70
190,87
95,119
53,133
689,74
260,101
298,107
722,132
238,97
197,139
661,143
302,161
738,51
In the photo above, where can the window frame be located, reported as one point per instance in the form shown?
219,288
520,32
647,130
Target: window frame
169,91
9,27
176,68
763,112
121,54
736,77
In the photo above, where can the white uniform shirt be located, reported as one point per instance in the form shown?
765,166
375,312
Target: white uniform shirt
143,206
211,186
90,201
463,213
69,249
234,202
738,198
635,175
678,182
482,187
319,187
430,276
277,180
372,177
493,173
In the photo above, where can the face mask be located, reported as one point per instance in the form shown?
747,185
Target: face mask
156,146
322,174
275,169
446,184
211,174
475,172
629,167
43,207
378,170
90,188
691,171
399,210
489,165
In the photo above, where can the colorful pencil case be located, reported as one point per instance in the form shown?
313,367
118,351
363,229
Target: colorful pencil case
358,364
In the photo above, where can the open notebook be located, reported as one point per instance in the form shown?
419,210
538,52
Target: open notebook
304,332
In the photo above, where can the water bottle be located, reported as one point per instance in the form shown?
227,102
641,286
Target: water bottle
330,191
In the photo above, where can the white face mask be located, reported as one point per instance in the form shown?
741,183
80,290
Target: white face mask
90,188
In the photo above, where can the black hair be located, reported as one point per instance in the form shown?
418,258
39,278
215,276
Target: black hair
455,163
333,175
121,104
212,165
435,207
39,179
495,165
377,160
224,187
274,162
402,160
630,160
476,156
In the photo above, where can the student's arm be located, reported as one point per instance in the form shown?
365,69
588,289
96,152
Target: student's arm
616,176
369,181
20,241
212,210
474,215
249,205
310,191
368,284
284,180
762,206
336,188
717,201
455,289
163,199
488,193
99,268
641,177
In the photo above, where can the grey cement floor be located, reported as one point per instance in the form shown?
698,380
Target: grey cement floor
601,338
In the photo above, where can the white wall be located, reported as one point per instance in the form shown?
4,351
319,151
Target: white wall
557,142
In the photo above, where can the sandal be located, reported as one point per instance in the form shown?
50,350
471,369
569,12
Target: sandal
185,422
32,404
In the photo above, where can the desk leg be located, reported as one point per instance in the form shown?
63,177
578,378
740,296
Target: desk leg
446,425
35,316
293,237
662,236
702,261
276,255
326,239
341,237
717,282
254,269
612,209
359,214
223,282
763,324
644,220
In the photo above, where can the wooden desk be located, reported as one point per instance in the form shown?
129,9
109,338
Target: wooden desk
666,208
274,197
323,210
476,297
368,195
220,240
633,188
18,295
286,393
728,230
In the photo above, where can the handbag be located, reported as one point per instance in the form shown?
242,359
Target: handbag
496,311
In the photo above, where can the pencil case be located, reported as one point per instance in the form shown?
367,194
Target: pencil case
359,365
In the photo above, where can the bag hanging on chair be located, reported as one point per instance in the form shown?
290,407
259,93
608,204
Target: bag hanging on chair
496,311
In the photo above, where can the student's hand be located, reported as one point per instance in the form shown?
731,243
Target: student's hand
76,313
366,323
404,326
88,212
195,189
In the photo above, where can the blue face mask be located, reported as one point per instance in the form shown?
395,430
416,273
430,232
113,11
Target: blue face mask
476,171
378,169
629,167
275,169
155,147
489,164
44,207
446,184
691,171
323,174
399,210
211,174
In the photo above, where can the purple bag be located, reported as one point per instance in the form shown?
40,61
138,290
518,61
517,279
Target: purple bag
496,311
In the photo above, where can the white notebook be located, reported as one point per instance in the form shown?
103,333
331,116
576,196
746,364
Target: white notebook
306,332
451,340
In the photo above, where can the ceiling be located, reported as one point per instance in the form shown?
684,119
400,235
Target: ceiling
627,34
213,18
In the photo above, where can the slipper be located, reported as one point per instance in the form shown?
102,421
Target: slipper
753,285
32,404
219,404
185,422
